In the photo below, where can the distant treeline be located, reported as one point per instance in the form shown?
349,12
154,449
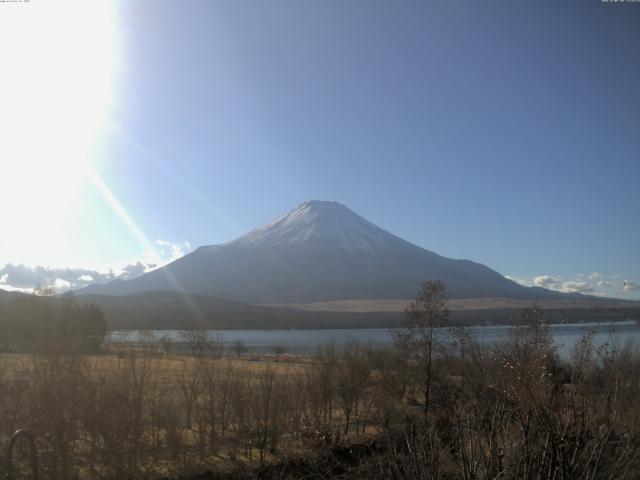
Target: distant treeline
552,315
33,323
153,318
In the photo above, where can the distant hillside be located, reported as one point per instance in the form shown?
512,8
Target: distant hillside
320,251
169,310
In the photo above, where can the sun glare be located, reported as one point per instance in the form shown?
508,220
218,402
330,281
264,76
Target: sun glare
58,66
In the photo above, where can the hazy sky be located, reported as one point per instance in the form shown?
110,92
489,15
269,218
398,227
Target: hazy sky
499,131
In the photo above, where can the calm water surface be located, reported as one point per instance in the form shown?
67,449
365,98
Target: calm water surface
565,336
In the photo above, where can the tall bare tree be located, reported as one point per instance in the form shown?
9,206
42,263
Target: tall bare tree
419,335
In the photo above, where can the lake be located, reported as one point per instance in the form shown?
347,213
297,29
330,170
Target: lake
565,336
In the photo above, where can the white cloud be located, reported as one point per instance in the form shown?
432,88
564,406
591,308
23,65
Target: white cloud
22,276
61,285
630,286
18,277
576,286
10,288
596,283
135,270
546,281
169,251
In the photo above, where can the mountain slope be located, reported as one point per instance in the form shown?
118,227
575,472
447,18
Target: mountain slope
320,251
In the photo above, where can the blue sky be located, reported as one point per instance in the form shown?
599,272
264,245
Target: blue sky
503,132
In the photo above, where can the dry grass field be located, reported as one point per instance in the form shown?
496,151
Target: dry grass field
513,410
141,413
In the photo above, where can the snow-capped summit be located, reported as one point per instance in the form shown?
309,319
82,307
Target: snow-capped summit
318,220
319,251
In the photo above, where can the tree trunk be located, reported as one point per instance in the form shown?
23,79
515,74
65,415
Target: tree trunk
427,379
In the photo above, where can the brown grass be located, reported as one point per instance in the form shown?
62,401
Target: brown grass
510,411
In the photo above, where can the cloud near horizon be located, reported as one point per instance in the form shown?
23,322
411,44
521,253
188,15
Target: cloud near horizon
546,281
630,286
576,286
23,278
595,283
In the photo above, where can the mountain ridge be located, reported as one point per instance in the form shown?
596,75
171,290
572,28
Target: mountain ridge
320,251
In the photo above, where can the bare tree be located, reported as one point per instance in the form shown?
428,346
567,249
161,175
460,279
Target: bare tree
239,348
352,377
418,337
279,350
215,345
166,343
198,341
270,411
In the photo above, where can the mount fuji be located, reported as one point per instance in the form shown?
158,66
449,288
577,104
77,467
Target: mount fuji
320,251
